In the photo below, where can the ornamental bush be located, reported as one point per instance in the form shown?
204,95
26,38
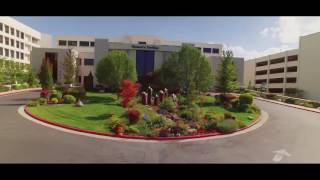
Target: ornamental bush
210,125
128,90
167,104
241,124
133,115
245,99
69,99
290,101
54,100
33,103
44,93
159,122
42,101
227,126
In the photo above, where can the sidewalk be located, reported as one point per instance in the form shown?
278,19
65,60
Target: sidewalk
289,105
8,93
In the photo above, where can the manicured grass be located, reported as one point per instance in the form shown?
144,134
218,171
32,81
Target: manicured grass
100,106
210,107
93,116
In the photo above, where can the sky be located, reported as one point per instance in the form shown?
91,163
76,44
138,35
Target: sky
247,37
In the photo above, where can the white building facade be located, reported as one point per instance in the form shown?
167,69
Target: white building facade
18,39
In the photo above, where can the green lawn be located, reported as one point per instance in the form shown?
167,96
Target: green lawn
98,109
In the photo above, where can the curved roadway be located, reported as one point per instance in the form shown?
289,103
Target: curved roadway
23,141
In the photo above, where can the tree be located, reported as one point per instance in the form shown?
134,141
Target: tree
188,70
226,77
45,75
128,90
69,67
32,78
115,67
249,85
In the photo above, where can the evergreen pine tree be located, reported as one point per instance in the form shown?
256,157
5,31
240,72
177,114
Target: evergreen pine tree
226,77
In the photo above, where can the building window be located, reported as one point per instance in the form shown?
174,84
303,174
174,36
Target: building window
141,42
1,51
22,35
276,61
17,55
22,56
276,80
275,71
292,69
62,43
12,42
260,81
1,27
1,39
6,39
92,44
291,80
72,43
84,43
22,45
263,72
6,29
293,58
18,44
79,79
18,33
215,51
263,63
206,50
6,52
12,31
12,53
89,62
275,90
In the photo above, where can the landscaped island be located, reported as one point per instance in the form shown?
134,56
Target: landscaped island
104,113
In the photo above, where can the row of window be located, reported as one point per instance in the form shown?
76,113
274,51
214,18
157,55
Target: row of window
280,90
278,60
86,62
277,70
11,53
75,43
210,50
11,42
277,80
13,32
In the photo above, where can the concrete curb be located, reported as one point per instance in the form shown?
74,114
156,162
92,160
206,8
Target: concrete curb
23,110
13,92
288,105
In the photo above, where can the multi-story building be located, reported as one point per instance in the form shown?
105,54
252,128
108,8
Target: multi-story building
18,39
149,53
289,71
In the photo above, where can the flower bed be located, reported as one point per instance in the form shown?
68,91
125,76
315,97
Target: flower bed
103,114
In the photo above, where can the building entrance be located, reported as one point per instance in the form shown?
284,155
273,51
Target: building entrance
144,63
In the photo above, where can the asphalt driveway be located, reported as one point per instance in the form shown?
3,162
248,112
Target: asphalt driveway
293,130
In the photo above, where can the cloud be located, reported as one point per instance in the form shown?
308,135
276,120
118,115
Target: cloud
239,51
288,29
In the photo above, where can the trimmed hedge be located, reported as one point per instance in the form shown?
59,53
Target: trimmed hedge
245,99
69,99
227,126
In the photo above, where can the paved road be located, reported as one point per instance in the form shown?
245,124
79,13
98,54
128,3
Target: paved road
23,141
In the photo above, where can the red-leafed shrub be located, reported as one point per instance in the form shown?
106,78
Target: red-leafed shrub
44,93
128,90
134,115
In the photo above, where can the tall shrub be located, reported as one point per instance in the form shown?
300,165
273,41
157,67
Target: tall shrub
45,75
187,70
69,67
115,67
128,90
226,77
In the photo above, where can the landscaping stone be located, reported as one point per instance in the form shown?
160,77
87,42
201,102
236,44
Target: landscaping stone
166,92
144,98
79,103
156,100
150,90
161,95
192,131
174,97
